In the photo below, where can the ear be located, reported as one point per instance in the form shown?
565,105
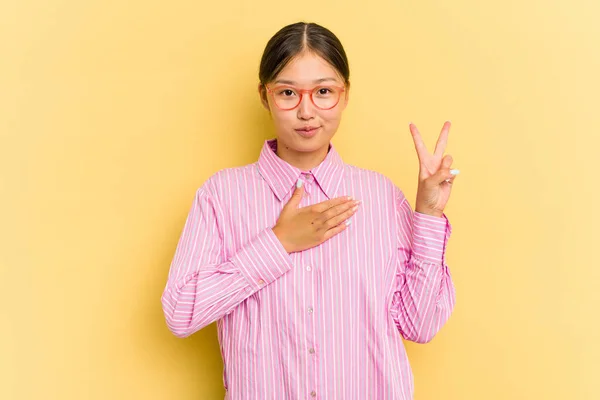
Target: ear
347,94
262,92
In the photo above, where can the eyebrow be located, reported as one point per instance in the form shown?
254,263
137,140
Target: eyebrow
288,82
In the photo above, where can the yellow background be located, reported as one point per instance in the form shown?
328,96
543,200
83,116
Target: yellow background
112,113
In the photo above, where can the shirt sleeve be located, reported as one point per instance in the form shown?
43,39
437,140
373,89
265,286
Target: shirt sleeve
202,285
424,293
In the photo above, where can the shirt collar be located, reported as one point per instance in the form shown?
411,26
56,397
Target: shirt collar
282,177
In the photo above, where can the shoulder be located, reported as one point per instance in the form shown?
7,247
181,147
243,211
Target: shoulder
227,180
383,184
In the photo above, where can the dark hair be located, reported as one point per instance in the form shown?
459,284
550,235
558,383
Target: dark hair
293,39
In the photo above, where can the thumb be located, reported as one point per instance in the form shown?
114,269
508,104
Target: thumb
294,201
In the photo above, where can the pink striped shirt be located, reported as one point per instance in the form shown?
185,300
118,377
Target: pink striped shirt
324,323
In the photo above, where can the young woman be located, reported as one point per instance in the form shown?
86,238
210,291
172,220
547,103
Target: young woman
314,269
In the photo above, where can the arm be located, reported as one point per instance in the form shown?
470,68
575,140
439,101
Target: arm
202,285
424,295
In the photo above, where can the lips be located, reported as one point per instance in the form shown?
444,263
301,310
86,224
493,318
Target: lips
307,131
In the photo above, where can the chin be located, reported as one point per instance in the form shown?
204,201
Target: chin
309,145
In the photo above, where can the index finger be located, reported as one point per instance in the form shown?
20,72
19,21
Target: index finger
419,145
326,205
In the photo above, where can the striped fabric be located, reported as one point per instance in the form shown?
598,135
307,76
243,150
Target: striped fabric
324,323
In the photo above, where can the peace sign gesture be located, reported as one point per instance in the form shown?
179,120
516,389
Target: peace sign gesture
435,175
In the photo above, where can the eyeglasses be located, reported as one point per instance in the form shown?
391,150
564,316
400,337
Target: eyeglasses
324,97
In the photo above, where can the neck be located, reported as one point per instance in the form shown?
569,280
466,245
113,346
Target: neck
302,160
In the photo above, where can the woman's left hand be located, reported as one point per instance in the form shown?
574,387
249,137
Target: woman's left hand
435,175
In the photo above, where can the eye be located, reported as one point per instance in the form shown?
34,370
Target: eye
324,91
286,92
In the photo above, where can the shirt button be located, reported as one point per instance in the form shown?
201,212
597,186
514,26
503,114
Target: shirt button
313,393
311,350
310,178
310,310
308,268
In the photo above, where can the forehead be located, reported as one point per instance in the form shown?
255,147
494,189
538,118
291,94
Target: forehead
307,68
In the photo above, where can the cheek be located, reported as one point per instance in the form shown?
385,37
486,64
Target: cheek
283,119
282,115
331,117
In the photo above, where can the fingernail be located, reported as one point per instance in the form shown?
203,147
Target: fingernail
299,183
348,222
354,208
350,198
454,171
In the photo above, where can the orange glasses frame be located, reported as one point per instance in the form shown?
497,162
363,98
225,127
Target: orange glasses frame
342,89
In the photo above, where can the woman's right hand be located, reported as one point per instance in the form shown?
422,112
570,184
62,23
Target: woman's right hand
302,228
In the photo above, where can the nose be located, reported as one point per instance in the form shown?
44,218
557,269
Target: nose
306,109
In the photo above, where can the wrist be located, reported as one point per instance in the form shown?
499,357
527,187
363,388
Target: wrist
279,236
429,211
